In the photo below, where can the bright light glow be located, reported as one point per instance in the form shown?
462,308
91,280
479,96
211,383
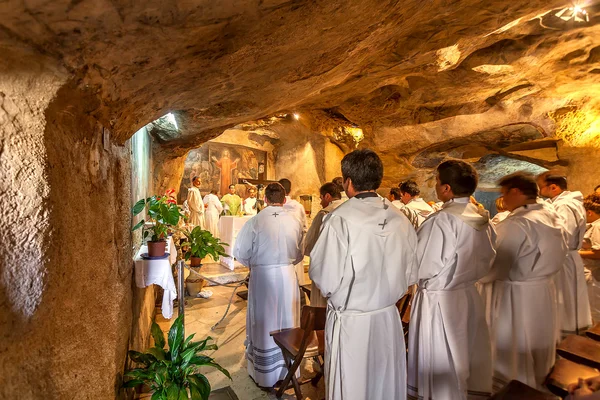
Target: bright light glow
356,133
494,69
575,13
171,119
297,116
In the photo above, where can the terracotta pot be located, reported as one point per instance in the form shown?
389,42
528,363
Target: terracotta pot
157,249
196,287
195,261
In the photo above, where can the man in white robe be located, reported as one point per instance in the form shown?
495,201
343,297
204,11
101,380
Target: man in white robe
270,243
298,210
249,204
362,262
409,191
574,305
195,204
214,208
413,216
449,354
330,200
590,252
531,248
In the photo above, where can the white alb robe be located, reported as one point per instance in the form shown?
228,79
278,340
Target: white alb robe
524,325
196,206
270,243
249,206
449,354
316,298
499,217
211,215
574,303
362,262
421,207
411,214
297,209
592,236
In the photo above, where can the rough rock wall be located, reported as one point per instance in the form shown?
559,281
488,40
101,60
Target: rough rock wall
65,288
306,158
582,171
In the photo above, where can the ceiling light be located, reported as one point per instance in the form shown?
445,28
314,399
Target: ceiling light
575,13
297,116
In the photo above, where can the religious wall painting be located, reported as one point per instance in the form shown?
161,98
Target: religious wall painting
219,165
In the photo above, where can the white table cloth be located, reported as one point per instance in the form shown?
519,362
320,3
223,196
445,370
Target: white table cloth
229,228
158,272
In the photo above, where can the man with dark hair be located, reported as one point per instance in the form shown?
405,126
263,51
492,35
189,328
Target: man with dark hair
339,181
270,244
449,354
531,249
590,252
410,192
573,300
361,263
249,205
297,209
330,200
232,203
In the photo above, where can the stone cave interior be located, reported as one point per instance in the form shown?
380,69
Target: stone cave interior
103,103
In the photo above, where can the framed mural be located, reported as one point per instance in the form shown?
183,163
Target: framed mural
218,165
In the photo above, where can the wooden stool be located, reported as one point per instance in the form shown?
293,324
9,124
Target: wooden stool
580,350
516,390
566,372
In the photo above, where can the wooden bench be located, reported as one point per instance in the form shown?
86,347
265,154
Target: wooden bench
565,373
516,390
580,350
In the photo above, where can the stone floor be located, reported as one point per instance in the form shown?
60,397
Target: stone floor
202,314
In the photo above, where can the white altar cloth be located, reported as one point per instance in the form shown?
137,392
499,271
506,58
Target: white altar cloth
229,227
157,272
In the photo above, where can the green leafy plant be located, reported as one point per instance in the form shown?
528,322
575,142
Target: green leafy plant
201,243
173,374
162,211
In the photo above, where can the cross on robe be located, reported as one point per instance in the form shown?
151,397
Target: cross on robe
275,214
383,224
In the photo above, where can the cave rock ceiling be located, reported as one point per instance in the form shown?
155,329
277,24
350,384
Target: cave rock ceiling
422,79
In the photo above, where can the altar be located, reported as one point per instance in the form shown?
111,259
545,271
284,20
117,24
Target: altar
229,227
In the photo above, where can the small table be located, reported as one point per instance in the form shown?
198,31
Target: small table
229,227
158,272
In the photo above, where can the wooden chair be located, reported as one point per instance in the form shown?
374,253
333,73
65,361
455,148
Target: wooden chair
594,332
566,372
308,341
580,350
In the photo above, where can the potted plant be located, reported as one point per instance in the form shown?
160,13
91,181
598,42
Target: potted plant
163,212
201,243
173,373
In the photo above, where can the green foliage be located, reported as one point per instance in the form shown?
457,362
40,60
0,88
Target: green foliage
201,243
162,211
171,373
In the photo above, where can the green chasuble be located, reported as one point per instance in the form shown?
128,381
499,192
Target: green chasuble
234,202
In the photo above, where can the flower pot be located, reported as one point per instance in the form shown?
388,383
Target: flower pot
195,287
157,249
195,261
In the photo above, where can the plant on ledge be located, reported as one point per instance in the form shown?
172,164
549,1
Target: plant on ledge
173,373
163,212
201,243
